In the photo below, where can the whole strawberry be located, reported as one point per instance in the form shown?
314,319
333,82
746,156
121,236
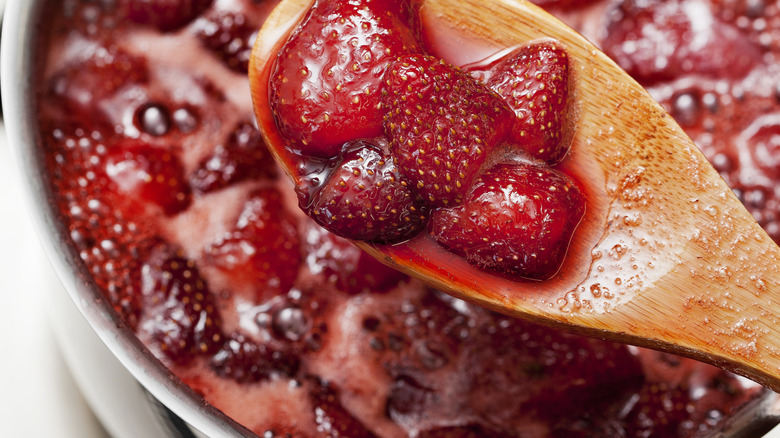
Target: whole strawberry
325,85
534,81
518,219
245,361
166,15
365,198
149,175
261,253
442,125
243,156
180,311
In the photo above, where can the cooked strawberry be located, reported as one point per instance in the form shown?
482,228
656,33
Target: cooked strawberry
109,239
449,359
518,219
661,40
661,409
534,81
325,87
333,421
230,36
246,361
149,174
262,252
83,88
442,125
111,246
180,313
166,15
345,265
365,197
244,156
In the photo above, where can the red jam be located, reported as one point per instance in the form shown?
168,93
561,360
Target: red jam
170,199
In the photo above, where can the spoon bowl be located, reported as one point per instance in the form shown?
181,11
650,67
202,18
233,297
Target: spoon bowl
666,256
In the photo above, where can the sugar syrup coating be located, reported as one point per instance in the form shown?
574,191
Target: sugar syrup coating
344,265
261,252
661,40
180,311
360,351
166,15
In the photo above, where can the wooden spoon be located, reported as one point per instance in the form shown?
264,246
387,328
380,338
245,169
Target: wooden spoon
666,257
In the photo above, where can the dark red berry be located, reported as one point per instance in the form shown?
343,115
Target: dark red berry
345,265
244,156
262,252
333,421
325,87
518,219
442,126
149,175
83,88
660,40
166,15
246,361
365,197
230,36
534,81
180,313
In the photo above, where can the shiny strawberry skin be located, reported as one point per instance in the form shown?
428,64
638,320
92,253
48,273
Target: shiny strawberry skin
149,175
180,311
325,85
345,265
534,81
242,157
262,252
246,361
166,15
442,125
366,198
663,40
518,220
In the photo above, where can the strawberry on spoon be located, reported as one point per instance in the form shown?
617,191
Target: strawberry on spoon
662,239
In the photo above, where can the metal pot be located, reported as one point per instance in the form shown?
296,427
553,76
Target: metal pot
22,18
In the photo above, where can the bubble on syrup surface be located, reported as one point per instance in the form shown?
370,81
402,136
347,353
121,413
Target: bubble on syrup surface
290,323
618,251
185,119
754,8
154,119
686,108
722,163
